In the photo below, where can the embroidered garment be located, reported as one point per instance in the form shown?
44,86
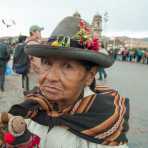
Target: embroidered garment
100,118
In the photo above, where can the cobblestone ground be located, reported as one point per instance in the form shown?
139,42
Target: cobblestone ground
130,79
13,92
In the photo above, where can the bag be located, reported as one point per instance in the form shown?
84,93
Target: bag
8,71
20,60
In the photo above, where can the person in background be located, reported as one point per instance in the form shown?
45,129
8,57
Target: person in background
101,70
139,55
146,56
131,55
4,58
125,54
21,62
12,48
35,37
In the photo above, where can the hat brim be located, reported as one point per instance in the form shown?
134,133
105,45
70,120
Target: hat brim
73,53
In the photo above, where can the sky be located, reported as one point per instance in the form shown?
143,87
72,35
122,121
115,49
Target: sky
125,17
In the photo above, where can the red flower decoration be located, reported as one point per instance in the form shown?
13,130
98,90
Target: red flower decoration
82,24
95,44
87,30
8,138
89,44
84,36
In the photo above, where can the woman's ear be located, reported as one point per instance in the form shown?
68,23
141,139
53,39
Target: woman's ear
91,75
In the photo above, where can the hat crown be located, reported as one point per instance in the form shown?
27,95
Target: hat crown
72,38
69,26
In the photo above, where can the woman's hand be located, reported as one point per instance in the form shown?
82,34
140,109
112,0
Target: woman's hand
4,117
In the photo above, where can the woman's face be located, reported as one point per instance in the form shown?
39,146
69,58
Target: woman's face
63,79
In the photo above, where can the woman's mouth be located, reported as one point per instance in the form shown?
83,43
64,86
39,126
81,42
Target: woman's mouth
51,89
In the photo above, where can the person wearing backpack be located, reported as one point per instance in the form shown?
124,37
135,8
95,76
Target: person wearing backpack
21,62
4,58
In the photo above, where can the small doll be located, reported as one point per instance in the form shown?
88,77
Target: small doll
14,133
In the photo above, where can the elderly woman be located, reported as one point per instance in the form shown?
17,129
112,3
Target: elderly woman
66,109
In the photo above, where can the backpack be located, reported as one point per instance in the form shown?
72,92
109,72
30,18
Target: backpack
4,54
20,60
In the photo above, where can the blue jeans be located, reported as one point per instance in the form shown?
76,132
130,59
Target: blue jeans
102,73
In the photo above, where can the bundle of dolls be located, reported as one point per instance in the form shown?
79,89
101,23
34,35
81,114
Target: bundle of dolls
14,133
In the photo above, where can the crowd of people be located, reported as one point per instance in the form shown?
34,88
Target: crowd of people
22,64
131,55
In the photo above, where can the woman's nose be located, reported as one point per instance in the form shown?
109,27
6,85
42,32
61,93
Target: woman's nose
53,74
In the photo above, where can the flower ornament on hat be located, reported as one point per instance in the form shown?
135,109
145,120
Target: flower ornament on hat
84,37
74,39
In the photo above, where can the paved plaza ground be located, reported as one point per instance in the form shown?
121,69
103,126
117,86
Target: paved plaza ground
129,78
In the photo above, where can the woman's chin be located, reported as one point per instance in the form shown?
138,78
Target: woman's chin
54,99
53,96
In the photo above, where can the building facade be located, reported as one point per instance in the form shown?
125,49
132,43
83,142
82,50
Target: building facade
96,24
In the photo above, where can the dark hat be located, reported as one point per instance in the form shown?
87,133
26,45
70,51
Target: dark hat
72,38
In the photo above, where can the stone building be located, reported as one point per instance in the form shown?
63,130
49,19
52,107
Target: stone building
96,24
122,41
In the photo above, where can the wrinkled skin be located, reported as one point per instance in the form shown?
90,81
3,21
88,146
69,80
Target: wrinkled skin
63,80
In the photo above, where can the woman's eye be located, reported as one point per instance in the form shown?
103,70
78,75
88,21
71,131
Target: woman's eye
44,61
68,66
47,63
